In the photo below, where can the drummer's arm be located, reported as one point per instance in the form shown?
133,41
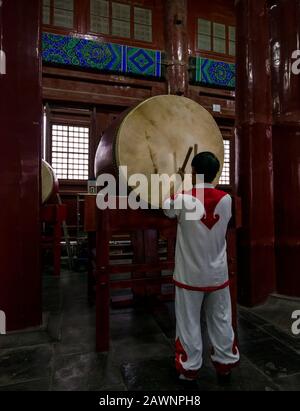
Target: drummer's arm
171,205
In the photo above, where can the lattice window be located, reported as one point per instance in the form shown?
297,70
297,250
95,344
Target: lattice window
204,34
100,16
46,11
142,24
226,174
231,34
64,13
215,37
70,151
59,13
121,20
219,38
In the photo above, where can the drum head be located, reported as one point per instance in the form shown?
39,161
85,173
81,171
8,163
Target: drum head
48,181
156,135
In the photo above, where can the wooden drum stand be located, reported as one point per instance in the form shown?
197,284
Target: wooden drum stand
145,228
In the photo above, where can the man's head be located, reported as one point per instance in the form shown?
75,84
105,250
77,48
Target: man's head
205,163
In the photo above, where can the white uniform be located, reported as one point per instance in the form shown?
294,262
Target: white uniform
201,277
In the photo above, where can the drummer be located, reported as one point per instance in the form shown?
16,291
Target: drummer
201,273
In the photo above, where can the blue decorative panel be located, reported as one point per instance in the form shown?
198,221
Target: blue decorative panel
141,61
73,51
215,73
80,52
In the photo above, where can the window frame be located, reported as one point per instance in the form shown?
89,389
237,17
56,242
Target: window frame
59,118
123,40
60,29
226,138
228,135
213,54
82,25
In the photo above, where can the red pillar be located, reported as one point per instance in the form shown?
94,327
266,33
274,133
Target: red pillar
177,56
21,122
285,34
255,162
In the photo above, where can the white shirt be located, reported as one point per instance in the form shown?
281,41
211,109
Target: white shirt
201,257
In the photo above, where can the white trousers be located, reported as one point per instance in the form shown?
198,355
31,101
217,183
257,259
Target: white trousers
217,309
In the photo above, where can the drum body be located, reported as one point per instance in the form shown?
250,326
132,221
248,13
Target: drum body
154,137
49,182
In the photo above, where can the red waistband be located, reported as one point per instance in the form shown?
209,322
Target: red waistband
204,289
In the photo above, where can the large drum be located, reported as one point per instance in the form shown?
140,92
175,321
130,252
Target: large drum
154,138
49,182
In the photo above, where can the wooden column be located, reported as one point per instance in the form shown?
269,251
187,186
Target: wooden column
285,34
254,153
21,124
176,46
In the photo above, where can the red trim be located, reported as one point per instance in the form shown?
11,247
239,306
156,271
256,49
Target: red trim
212,197
234,347
205,289
180,357
224,369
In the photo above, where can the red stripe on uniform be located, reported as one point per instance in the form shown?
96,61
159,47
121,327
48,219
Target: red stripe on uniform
205,289
181,357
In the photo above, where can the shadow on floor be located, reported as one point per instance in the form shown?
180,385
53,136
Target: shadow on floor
61,354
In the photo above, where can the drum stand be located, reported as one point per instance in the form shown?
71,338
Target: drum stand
54,215
145,228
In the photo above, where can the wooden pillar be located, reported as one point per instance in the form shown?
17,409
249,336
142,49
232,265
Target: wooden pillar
176,46
285,34
254,146
21,125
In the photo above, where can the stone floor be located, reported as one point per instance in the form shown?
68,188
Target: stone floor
61,354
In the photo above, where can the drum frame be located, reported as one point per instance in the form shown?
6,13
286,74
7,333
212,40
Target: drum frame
107,156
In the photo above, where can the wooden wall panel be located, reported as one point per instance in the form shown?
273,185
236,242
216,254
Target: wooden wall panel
76,86
208,101
89,93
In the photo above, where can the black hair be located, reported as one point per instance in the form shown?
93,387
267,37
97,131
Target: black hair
206,163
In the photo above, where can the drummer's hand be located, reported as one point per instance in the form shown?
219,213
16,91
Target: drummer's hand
172,190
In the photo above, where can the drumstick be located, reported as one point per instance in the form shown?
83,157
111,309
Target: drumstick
175,162
195,149
187,157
